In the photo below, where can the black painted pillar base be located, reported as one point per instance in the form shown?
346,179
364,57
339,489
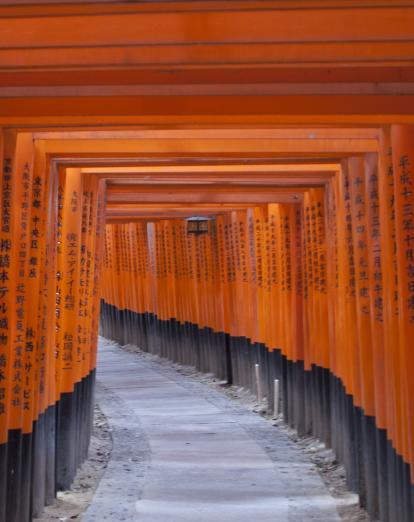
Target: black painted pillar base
3,481
14,475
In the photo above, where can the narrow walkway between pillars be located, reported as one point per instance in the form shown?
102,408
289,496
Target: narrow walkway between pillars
183,452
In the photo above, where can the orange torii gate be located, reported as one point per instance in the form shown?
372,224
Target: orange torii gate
236,260
278,292
292,139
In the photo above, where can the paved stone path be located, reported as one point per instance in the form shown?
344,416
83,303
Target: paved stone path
185,453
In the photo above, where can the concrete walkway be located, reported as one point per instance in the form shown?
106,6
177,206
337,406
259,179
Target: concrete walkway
186,453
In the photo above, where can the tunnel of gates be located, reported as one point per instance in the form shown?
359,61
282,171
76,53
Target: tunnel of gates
291,124
317,288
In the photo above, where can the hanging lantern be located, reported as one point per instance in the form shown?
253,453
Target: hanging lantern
197,225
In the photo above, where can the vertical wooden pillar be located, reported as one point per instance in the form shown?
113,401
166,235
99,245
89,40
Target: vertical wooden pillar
402,142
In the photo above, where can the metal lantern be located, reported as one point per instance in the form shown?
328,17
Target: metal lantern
197,225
